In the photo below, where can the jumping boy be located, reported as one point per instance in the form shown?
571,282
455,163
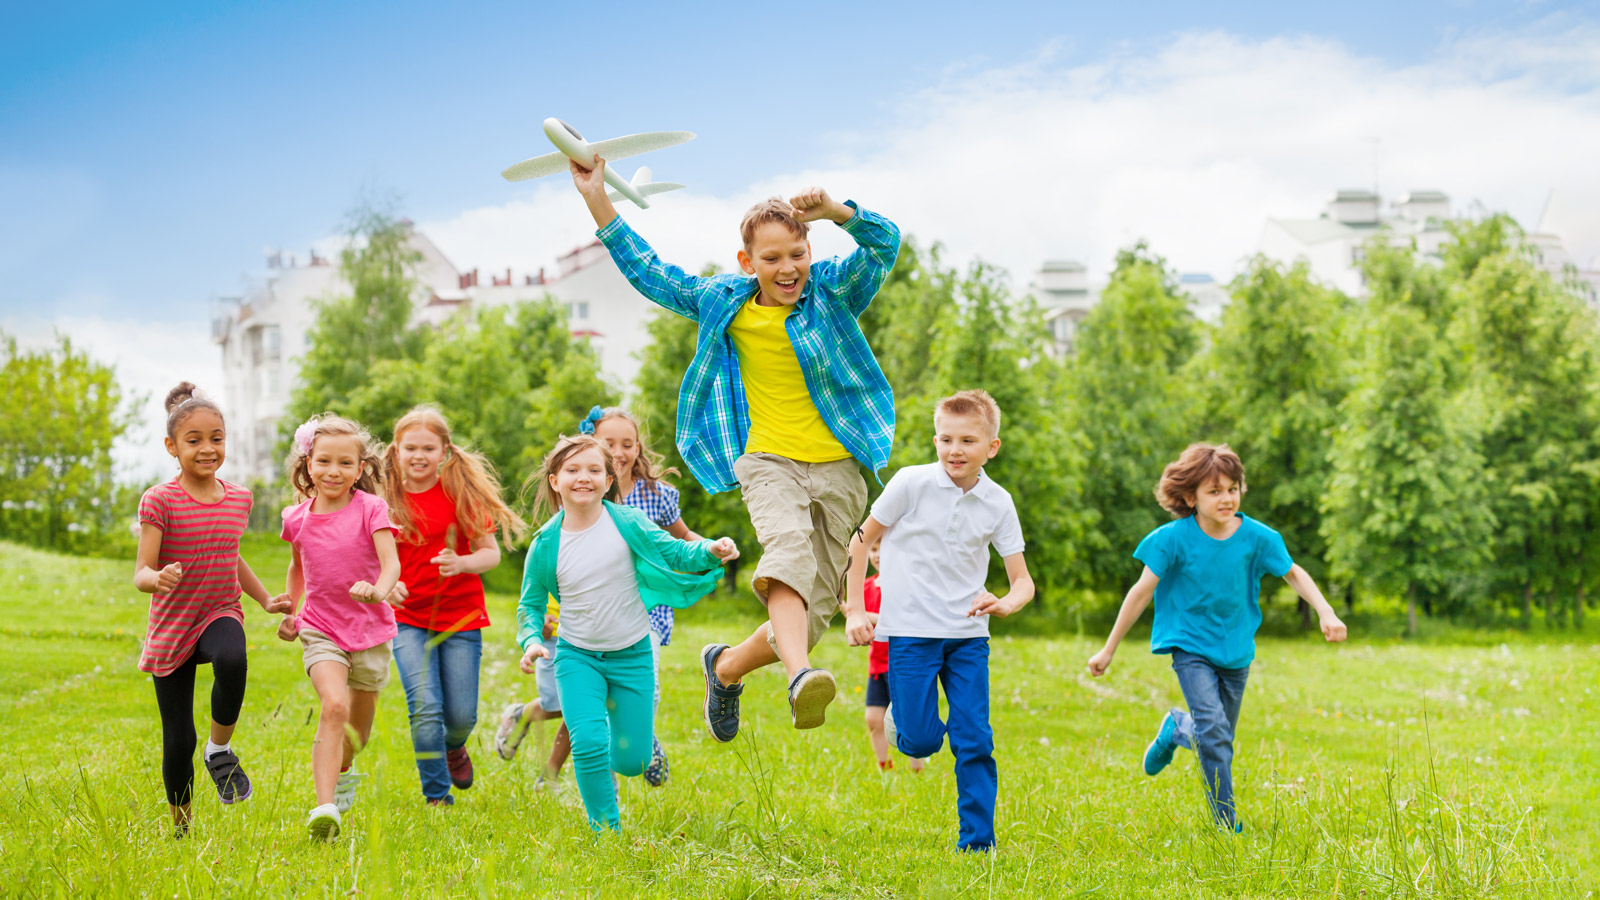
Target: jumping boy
937,522
782,399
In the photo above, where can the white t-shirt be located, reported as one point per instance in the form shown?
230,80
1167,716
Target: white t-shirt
935,553
600,605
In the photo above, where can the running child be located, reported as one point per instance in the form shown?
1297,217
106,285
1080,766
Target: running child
937,522
878,670
188,560
784,400
445,502
344,565
607,564
640,484
1204,570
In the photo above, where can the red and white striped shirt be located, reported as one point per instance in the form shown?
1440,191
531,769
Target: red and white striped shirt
204,539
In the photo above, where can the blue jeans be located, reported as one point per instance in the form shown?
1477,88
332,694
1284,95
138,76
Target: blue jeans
917,666
441,683
1213,695
606,699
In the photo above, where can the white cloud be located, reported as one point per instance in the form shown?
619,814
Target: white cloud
1191,145
149,358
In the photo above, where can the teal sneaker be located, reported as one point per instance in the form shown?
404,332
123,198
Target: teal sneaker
1159,753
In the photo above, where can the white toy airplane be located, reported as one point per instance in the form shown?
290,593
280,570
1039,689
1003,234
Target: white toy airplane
572,146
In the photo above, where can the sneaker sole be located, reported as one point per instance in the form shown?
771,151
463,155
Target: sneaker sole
323,828
508,740
705,701
812,699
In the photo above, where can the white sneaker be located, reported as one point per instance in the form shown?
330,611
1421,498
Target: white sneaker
323,824
344,793
508,737
889,731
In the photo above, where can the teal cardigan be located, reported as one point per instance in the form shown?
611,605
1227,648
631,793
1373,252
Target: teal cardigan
666,568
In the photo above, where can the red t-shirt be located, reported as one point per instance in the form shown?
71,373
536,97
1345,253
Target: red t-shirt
437,604
204,538
872,598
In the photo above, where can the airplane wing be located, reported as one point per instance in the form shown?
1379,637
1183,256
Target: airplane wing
538,167
635,144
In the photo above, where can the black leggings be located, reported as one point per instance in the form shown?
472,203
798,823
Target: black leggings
221,645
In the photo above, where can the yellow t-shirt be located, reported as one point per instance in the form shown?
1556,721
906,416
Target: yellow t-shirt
783,417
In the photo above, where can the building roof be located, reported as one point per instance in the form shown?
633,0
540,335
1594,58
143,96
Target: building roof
1323,229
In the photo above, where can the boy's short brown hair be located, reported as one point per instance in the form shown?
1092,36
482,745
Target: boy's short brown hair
772,209
1199,464
975,402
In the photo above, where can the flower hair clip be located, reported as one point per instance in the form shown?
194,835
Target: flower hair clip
587,425
305,436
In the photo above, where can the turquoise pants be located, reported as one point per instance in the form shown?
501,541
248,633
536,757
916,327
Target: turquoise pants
607,698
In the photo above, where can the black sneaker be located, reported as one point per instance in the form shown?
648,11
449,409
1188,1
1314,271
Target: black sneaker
232,784
809,695
655,774
722,702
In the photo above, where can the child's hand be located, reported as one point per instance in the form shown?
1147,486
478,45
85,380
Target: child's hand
448,562
859,629
361,592
278,604
813,203
167,579
1333,629
724,549
289,628
550,620
987,604
589,181
1100,662
397,595
537,651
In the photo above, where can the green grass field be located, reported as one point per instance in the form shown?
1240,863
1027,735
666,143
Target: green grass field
1369,769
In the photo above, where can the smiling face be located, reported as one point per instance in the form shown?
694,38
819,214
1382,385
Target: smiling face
622,439
581,481
334,464
964,444
200,444
781,262
1218,499
421,452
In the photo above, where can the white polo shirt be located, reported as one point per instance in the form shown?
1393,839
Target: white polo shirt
935,553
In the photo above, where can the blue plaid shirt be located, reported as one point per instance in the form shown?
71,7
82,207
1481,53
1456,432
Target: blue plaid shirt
846,384
661,507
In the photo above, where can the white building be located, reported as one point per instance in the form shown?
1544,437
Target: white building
1065,297
262,335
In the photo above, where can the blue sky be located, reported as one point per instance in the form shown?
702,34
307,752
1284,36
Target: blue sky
150,152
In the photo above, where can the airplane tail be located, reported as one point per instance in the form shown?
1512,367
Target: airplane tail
646,188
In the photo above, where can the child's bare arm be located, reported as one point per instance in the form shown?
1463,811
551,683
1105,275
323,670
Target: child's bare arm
388,571
857,627
1133,606
148,575
591,183
1018,596
1332,627
257,591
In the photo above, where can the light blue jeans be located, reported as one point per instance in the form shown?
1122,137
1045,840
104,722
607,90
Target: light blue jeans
1214,695
441,683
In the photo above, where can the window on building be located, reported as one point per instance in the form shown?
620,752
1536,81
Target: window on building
583,310
270,344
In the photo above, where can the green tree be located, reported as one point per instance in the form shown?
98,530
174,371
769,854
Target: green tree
1130,398
1405,510
1279,367
62,411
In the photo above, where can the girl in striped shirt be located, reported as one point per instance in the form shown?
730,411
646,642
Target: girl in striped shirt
189,562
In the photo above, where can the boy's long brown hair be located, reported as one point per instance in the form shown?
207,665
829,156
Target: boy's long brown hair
546,501
468,479
646,463
1200,463
330,425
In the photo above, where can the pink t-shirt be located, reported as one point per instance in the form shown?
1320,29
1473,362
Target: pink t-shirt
336,551
204,539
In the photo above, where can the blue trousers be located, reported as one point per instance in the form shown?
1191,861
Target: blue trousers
607,699
441,683
917,666
1214,695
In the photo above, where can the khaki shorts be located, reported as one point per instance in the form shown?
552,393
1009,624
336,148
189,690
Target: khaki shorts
804,515
369,668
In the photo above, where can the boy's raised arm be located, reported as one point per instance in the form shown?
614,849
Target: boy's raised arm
858,276
666,285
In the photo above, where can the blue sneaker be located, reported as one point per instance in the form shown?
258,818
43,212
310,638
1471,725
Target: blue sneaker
722,701
1159,753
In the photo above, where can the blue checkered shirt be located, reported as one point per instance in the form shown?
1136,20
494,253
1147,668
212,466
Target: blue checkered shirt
661,506
846,384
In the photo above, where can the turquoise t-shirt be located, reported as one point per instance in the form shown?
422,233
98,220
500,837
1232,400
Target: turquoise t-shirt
1208,601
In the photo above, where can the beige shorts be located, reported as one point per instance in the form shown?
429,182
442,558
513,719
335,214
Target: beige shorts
369,668
804,515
